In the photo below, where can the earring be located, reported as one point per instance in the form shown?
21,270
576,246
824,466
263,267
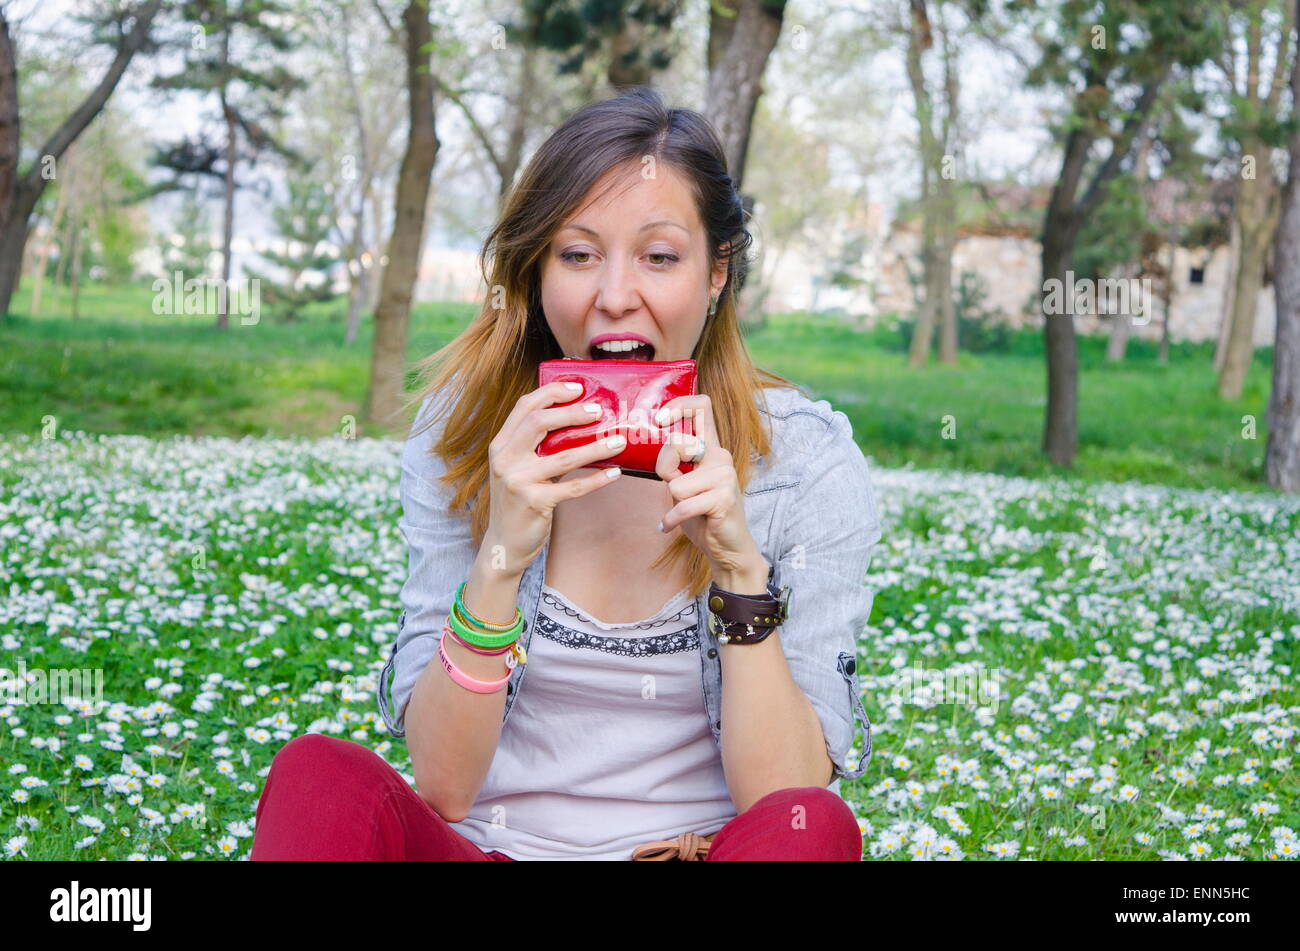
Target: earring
713,306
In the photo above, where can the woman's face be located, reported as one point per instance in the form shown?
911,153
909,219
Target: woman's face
632,266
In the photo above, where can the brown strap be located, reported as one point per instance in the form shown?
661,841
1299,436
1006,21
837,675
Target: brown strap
687,847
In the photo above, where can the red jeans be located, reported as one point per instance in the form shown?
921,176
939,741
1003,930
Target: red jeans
327,798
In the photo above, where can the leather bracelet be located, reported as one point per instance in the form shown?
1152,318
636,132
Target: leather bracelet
730,632
747,618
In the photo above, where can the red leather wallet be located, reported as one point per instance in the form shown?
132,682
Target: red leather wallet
629,393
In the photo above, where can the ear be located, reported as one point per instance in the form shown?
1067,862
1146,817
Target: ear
720,271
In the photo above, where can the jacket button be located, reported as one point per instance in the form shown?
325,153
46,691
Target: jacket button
850,666
713,652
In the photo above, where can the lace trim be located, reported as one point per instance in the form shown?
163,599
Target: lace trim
683,640
687,610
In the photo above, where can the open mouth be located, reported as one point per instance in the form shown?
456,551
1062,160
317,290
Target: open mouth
642,352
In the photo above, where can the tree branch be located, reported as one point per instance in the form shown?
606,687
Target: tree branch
1121,144
479,132
1283,59
76,123
394,34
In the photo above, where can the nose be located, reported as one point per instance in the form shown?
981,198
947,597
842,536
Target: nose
617,294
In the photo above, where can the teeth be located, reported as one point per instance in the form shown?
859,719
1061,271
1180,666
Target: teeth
620,346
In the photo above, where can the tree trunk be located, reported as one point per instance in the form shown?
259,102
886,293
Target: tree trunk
357,280
12,219
1117,345
1229,287
65,247
388,356
513,154
919,39
18,196
43,258
1163,357
359,294
1061,429
1061,226
923,333
1255,215
945,311
1282,455
738,50
1121,325
228,221
739,47
76,269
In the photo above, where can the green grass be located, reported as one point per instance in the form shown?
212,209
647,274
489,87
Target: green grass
1142,646
1138,420
119,369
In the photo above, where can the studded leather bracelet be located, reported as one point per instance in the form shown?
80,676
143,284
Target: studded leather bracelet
746,618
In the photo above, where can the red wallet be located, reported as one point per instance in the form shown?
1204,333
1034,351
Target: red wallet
629,393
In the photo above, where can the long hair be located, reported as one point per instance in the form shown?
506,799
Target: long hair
481,374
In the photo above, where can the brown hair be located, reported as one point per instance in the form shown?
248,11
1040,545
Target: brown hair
494,360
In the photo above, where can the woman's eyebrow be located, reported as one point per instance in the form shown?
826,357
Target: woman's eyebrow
644,227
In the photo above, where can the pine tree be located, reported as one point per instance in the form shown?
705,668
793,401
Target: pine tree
303,223
234,55
194,231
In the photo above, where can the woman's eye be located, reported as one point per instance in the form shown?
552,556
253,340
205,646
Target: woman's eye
664,254
570,255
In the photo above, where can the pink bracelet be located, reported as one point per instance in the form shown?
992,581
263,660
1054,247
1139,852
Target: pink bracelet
458,675
477,650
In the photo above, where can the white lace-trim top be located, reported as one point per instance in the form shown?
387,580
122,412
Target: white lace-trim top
610,746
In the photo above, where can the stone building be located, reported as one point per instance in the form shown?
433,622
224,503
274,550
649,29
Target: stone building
1009,266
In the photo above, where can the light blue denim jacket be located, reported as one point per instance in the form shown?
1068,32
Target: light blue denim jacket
811,509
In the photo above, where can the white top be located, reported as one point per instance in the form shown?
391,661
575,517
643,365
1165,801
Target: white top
610,746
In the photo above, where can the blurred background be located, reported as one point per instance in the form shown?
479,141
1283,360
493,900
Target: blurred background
904,161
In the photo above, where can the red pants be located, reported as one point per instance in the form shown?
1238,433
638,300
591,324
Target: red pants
327,798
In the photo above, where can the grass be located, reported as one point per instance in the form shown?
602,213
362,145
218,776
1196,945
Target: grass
1138,420
119,369
236,594
1141,644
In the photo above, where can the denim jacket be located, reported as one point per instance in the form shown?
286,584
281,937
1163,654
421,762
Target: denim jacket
811,509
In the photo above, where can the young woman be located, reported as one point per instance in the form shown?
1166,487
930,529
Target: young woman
649,729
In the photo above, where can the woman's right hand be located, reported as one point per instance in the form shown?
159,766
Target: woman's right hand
523,488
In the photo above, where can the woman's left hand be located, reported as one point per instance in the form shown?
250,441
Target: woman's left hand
709,506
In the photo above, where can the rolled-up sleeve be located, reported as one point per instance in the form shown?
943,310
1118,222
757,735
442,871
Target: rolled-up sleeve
830,529
441,553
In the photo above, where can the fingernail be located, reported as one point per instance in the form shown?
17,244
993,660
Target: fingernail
591,407
613,442
661,417
661,526
612,472
573,386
